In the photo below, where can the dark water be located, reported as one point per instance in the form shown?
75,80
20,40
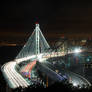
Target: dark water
8,53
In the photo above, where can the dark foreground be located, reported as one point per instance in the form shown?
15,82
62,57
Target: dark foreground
60,86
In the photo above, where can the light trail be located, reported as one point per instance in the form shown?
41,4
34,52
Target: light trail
13,76
9,77
28,68
15,79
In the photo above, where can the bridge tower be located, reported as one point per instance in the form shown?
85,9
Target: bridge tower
37,29
35,45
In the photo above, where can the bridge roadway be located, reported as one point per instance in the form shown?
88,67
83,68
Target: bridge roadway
14,78
77,79
74,78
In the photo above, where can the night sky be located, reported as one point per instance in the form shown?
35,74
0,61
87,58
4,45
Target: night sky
17,18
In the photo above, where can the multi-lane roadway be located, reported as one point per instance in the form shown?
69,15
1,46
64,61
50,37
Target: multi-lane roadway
15,79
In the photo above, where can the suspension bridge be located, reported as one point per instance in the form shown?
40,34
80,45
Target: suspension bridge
35,53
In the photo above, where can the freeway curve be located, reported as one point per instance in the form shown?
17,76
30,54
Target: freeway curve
75,79
12,76
15,79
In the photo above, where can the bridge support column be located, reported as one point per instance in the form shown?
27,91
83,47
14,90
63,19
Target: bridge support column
47,81
37,39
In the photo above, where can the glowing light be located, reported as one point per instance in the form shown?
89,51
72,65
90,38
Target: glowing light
25,58
75,84
77,50
36,23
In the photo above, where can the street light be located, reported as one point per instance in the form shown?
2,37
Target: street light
75,84
77,50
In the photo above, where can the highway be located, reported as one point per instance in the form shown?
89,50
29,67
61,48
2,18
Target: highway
15,79
12,76
75,79
34,44
37,45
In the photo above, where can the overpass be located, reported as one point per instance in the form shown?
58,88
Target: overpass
36,49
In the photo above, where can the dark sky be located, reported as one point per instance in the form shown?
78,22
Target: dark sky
22,14
17,17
